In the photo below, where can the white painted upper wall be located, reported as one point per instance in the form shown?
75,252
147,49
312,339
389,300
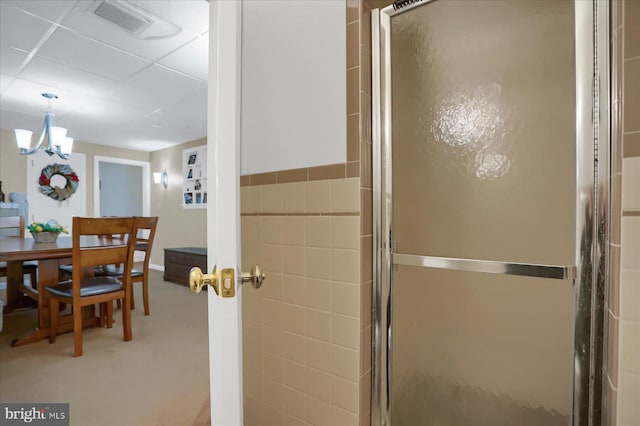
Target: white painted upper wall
293,84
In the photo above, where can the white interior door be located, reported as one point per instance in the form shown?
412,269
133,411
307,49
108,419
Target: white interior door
223,213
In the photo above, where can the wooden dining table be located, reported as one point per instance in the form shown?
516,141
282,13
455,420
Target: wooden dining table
50,256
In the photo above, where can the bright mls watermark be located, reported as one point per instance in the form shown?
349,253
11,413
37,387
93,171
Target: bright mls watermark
34,414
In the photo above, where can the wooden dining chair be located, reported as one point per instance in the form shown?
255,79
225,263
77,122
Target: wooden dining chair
65,271
142,226
13,226
84,291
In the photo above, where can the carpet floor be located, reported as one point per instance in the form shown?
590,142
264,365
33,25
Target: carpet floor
161,377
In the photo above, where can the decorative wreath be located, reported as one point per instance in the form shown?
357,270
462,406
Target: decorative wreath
58,193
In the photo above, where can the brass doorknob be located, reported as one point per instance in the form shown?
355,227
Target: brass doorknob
255,277
197,279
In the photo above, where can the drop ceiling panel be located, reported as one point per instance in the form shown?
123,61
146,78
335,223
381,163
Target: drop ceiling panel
191,15
171,84
96,58
150,145
150,100
133,137
52,10
12,59
194,131
83,130
159,124
142,130
25,97
19,29
192,59
109,93
47,72
94,111
83,20
5,81
181,114
101,132
165,132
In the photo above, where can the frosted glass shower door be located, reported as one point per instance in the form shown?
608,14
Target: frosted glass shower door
482,191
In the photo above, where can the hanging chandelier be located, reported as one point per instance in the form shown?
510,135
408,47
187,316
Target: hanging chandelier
57,140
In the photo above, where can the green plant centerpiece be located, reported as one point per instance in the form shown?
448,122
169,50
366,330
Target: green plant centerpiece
46,232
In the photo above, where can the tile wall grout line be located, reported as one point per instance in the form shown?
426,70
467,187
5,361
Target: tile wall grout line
304,170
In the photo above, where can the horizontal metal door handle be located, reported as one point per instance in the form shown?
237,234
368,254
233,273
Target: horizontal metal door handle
488,266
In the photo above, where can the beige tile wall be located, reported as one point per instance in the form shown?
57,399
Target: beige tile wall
623,367
308,338
302,329
629,304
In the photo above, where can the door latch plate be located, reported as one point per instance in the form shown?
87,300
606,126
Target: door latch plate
228,282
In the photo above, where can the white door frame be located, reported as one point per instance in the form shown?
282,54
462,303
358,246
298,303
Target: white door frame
146,192
223,212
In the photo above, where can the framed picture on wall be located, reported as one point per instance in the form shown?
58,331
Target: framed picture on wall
194,177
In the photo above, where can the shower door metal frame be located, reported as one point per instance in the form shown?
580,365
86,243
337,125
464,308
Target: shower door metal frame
590,273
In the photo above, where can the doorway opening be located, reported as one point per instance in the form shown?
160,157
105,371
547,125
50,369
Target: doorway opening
121,187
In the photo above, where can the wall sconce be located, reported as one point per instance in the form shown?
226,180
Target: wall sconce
161,178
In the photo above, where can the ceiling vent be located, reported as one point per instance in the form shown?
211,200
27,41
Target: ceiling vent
123,15
135,20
